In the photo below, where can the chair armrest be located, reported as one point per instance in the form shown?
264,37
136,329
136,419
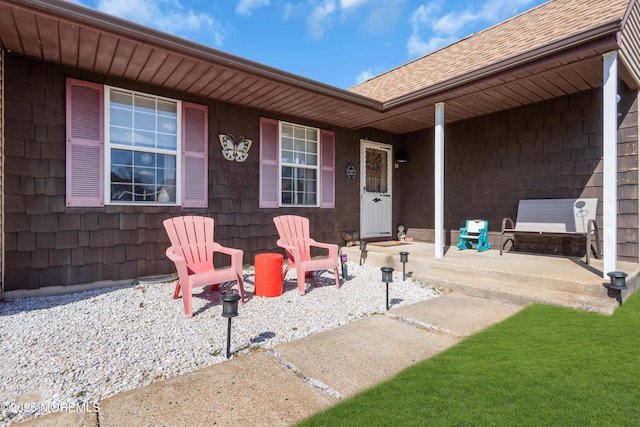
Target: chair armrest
293,250
180,262
333,249
236,254
226,250
505,222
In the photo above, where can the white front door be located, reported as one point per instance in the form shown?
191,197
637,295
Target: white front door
375,184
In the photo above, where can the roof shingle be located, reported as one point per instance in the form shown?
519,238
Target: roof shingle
540,26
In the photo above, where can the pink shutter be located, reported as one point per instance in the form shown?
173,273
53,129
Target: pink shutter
269,163
85,143
327,169
194,155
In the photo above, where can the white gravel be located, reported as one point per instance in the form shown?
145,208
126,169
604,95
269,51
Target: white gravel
78,349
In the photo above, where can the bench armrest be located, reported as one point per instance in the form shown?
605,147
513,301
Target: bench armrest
507,222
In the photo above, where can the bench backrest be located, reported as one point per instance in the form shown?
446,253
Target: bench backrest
556,215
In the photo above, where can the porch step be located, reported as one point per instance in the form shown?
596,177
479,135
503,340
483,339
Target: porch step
511,278
522,293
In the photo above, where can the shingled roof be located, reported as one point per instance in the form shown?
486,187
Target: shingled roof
541,26
550,51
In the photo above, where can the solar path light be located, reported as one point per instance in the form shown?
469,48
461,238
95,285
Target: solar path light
618,283
387,277
229,310
404,258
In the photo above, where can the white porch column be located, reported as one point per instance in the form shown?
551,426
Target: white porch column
610,163
439,181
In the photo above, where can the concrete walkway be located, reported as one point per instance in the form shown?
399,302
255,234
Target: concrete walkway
297,379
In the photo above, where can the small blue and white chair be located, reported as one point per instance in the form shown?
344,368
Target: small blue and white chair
475,230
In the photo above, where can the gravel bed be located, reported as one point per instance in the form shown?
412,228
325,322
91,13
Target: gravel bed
80,348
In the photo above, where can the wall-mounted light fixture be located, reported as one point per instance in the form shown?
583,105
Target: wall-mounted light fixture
401,157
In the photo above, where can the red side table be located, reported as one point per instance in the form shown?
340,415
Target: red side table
268,274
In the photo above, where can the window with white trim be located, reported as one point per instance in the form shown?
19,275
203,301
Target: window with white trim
299,152
297,165
126,147
142,147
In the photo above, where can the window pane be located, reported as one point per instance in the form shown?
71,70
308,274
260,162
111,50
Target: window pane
145,139
287,131
121,192
167,108
145,121
312,135
120,117
167,142
287,143
299,133
121,136
122,100
287,156
144,104
167,125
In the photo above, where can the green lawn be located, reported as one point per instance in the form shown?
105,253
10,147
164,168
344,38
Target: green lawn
545,366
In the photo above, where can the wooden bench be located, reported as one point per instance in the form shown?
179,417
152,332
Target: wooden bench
574,217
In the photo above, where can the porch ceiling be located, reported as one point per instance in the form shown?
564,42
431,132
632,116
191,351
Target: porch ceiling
68,34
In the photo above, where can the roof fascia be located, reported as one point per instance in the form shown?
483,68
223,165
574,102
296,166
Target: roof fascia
73,13
627,12
597,35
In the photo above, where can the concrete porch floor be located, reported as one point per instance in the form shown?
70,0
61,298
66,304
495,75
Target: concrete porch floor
515,277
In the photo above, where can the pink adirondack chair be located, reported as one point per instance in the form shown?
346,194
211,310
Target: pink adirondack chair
192,248
295,240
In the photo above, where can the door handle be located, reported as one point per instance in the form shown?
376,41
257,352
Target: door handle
376,200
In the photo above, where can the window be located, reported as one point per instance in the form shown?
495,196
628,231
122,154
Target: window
142,141
296,165
299,149
154,149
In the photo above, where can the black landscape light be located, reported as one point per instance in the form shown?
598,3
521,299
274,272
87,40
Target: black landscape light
387,277
404,258
363,250
229,310
343,260
617,283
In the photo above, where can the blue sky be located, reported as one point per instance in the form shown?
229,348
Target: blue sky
337,42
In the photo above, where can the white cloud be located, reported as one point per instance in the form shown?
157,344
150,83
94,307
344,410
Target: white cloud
367,74
245,7
442,30
318,21
350,4
165,15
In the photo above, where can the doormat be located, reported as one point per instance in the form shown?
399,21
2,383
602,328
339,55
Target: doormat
387,243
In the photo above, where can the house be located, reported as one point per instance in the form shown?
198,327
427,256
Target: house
107,128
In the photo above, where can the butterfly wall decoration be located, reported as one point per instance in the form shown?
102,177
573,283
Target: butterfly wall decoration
235,150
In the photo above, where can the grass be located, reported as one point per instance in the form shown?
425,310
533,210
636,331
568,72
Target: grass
545,366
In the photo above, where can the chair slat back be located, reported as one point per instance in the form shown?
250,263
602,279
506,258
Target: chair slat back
191,235
294,231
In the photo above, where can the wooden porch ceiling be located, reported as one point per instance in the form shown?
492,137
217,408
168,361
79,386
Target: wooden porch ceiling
65,33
